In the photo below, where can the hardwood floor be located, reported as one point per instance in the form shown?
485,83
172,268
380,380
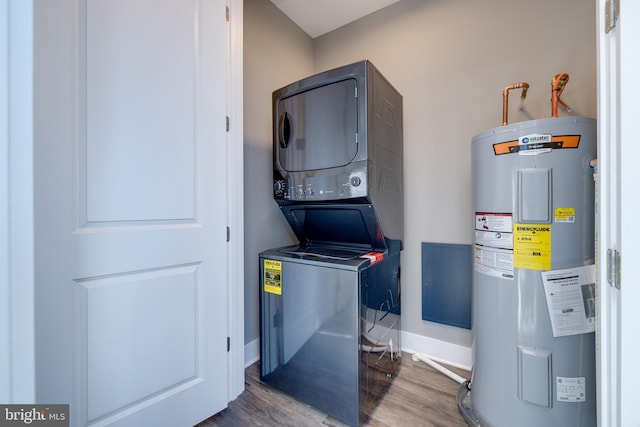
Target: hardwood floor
418,396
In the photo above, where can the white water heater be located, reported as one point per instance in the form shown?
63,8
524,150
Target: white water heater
533,284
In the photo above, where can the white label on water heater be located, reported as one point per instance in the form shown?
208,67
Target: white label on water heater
493,252
494,262
571,389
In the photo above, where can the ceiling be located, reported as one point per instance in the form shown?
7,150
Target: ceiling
319,17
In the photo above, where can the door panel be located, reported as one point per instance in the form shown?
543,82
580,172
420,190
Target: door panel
627,174
140,69
131,265
125,337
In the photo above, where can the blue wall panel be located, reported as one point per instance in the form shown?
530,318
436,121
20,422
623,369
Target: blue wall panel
446,283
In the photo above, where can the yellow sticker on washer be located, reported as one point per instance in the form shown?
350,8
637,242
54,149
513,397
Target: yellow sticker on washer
532,246
272,276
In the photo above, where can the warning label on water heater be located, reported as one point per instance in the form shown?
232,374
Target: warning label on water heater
493,251
565,215
532,246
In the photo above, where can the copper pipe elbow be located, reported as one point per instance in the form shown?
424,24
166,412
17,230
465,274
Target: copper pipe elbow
505,98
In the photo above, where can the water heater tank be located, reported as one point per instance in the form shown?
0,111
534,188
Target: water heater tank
533,284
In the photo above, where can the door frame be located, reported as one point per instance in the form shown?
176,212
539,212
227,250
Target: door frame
618,348
17,333
606,222
235,187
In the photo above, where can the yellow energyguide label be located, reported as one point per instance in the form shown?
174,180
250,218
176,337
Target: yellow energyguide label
272,279
532,246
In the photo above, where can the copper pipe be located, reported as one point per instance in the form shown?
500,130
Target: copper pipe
505,98
557,86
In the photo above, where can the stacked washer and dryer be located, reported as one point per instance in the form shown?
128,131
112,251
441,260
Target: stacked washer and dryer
330,305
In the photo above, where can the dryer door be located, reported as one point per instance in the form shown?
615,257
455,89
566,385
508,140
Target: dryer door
317,128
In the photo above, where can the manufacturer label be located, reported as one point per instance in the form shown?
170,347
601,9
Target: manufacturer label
523,147
532,246
534,144
571,389
272,279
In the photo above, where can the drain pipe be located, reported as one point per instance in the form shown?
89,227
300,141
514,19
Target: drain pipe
505,98
438,367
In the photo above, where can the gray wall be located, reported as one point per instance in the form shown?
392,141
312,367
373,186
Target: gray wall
276,53
450,59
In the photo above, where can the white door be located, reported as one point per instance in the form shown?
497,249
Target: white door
130,209
618,151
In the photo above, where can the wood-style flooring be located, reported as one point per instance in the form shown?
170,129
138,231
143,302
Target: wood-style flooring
419,396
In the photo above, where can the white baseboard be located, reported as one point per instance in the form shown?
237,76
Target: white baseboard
251,352
440,351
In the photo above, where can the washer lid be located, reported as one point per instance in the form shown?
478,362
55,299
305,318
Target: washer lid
336,224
